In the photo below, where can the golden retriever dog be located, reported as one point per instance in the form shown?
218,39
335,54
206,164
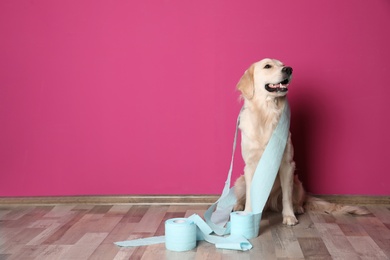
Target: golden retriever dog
264,87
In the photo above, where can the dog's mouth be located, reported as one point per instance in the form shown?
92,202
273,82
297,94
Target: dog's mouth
279,87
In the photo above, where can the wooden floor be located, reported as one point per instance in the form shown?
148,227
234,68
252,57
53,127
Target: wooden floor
88,232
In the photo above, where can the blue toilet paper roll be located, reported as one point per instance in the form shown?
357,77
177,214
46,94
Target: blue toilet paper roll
180,234
243,223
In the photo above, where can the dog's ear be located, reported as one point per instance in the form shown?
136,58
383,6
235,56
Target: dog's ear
246,83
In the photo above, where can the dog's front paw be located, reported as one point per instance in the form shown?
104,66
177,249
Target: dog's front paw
290,220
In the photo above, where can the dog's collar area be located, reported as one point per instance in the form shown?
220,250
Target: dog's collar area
279,87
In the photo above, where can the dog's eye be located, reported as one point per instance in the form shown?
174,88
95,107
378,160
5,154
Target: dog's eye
267,66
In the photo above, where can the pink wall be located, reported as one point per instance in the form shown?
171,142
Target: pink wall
138,97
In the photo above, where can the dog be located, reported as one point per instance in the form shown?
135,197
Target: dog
264,87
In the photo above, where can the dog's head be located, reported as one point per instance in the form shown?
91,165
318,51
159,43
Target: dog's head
268,78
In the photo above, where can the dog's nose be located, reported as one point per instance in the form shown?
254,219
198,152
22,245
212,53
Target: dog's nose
287,70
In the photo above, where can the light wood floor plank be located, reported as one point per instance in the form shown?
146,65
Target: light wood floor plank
14,213
382,213
59,211
53,252
67,222
286,244
314,248
335,241
6,234
305,228
27,252
85,247
120,232
104,251
155,252
124,253
366,248
263,245
152,219
191,211
89,231
49,229
204,250
374,227
87,223
353,230
4,211
384,245
119,210
136,213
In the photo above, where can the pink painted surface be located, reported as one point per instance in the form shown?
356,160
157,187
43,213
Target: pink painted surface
138,97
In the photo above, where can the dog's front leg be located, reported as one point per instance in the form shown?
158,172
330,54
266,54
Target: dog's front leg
248,175
286,181
286,174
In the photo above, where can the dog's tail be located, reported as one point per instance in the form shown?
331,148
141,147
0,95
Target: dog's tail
317,204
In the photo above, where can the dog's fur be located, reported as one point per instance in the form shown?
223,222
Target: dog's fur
264,87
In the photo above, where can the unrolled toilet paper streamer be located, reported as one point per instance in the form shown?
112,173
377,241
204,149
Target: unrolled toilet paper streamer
179,233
